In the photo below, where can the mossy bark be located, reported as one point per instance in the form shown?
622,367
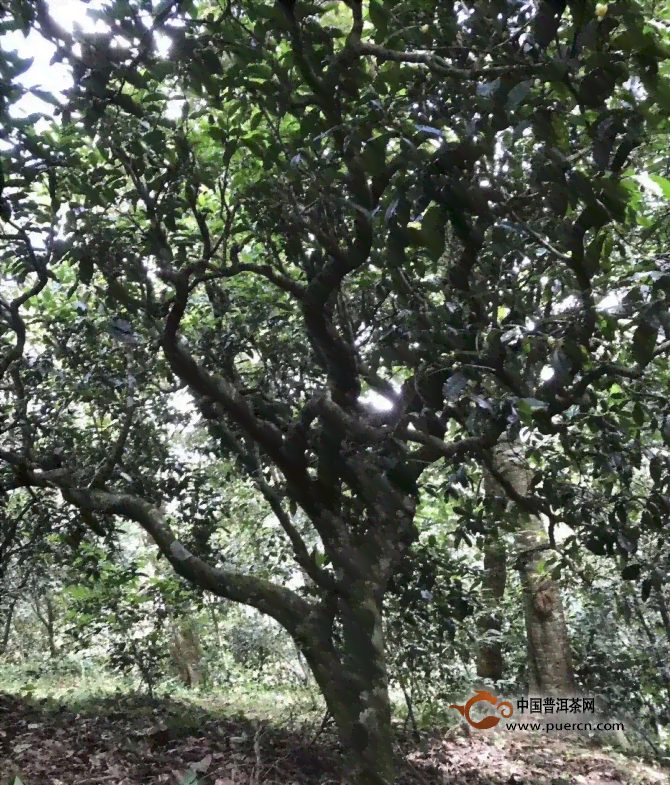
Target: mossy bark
354,683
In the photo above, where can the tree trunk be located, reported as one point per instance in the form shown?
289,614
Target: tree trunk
51,617
48,618
213,610
356,688
7,627
490,659
663,608
549,658
187,654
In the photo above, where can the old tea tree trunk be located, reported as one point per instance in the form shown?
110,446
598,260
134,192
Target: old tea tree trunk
340,635
361,501
549,658
355,478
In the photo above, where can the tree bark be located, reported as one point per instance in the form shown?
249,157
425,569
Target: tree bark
663,609
48,619
490,663
213,611
356,689
550,669
7,626
187,654
549,658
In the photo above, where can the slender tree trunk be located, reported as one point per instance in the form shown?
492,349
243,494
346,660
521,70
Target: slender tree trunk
7,627
490,659
48,619
187,653
549,658
213,610
51,618
304,669
660,661
663,608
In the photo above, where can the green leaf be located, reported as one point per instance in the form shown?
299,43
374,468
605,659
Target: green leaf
432,228
45,96
78,592
644,343
662,183
86,270
190,779
631,572
211,61
593,254
379,16
656,469
155,138
638,415
276,15
373,157
127,103
415,236
20,66
518,94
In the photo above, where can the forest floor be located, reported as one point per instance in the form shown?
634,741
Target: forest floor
128,741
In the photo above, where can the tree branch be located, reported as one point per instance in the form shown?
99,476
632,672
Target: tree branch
282,604
439,64
105,470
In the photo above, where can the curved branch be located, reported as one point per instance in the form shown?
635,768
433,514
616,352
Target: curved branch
282,282
282,604
15,321
436,63
300,552
302,555
105,470
218,390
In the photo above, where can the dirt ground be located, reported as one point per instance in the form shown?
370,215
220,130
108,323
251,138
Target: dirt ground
130,742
